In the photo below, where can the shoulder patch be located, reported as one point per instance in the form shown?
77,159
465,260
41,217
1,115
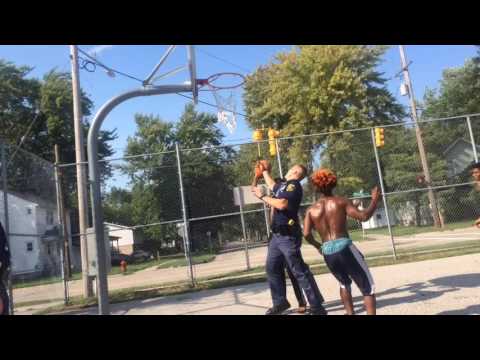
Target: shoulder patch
290,187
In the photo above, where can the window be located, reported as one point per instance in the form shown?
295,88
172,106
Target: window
49,217
29,246
29,211
379,216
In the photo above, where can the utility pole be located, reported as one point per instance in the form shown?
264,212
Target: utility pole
418,132
81,172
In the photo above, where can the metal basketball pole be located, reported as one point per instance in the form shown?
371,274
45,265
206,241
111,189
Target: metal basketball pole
94,179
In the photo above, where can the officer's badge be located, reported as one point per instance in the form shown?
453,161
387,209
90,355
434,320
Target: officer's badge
290,187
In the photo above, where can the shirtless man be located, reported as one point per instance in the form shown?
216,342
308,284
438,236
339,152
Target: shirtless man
329,217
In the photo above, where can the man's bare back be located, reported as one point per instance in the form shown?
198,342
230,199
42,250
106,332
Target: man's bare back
329,215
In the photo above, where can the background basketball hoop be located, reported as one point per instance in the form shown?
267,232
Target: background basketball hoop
220,84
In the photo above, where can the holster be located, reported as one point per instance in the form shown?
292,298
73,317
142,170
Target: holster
286,230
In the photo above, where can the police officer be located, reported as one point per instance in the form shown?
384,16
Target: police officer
4,268
286,241
302,302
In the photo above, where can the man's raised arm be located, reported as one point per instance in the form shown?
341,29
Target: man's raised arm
364,215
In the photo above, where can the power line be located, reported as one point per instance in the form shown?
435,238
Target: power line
108,68
94,61
225,61
22,139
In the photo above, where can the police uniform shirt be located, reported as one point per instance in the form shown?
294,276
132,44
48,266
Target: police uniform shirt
292,191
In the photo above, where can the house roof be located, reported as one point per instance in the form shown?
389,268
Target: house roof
118,226
459,140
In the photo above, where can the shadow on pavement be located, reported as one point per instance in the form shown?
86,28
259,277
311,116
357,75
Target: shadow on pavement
421,292
417,292
471,310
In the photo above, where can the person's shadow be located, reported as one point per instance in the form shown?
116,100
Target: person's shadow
417,292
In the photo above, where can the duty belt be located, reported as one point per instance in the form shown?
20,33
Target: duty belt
285,230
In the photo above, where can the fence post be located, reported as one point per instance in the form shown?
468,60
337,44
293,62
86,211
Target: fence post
7,221
242,219
380,176
186,229
472,139
279,159
62,222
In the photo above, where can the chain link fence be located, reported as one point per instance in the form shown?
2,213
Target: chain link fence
172,215
33,225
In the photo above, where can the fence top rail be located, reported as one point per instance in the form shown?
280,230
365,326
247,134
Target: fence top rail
326,133
332,132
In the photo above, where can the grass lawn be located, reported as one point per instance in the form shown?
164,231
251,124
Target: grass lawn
398,230
167,262
258,275
181,261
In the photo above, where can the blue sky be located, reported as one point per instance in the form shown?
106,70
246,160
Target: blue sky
429,61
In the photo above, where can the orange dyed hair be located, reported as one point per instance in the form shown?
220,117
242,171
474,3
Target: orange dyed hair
324,179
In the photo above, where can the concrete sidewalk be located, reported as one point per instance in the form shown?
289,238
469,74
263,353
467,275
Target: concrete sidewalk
442,286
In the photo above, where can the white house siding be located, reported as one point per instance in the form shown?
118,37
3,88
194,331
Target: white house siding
125,235
23,230
28,229
379,219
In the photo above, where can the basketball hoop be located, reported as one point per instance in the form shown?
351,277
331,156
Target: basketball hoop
226,104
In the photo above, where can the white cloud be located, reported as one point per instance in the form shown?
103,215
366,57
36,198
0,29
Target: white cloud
96,50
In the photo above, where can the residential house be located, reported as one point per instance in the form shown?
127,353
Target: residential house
34,234
378,219
459,156
122,238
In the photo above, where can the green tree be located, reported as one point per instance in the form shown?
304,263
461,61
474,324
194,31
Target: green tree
19,101
458,94
323,88
117,207
205,173
41,113
317,88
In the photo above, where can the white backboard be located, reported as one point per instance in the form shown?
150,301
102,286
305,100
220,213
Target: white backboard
245,193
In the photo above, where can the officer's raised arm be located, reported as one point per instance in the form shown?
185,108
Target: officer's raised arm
268,179
279,204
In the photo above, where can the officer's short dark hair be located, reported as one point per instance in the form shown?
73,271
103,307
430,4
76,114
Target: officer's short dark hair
475,166
304,171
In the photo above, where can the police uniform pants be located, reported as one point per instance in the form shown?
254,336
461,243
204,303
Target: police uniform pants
287,248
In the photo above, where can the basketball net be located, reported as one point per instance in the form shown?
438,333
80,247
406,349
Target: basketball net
226,114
